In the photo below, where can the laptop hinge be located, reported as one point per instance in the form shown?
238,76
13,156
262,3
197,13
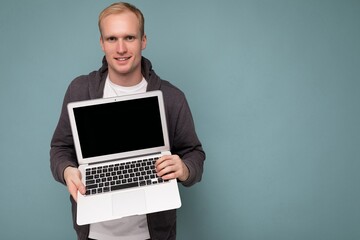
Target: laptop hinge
129,158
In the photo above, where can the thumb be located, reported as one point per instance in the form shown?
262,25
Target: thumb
74,186
73,181
80,186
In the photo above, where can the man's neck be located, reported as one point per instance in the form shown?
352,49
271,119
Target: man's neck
127,80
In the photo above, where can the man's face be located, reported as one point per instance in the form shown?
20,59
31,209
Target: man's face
122,44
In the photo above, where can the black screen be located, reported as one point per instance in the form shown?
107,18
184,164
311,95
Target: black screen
119,127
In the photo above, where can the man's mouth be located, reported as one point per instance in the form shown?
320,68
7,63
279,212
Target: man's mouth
122,58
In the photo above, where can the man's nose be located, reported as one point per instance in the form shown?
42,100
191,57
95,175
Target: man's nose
121,47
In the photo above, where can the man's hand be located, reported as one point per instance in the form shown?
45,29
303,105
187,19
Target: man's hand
72,178
171,167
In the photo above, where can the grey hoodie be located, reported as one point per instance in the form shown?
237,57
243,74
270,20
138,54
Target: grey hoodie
182,136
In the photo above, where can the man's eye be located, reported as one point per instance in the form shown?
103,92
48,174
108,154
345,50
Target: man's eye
130,38
111,39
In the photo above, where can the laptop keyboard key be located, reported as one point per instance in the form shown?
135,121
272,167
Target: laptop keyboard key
123,186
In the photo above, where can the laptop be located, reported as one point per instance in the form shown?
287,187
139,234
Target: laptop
117,140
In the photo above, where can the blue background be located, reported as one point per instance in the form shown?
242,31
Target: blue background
273,87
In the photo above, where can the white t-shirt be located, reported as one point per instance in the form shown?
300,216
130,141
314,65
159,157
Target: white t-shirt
127,228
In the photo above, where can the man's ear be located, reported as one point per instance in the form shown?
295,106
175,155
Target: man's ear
102,44
143,42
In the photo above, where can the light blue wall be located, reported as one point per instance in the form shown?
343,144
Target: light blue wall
274,90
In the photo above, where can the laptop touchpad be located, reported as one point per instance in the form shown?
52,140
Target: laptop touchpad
129,203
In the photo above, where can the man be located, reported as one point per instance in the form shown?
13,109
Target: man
126,71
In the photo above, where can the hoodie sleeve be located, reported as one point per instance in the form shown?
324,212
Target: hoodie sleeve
187,145
62,152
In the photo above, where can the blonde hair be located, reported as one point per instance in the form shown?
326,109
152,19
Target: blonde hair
120,7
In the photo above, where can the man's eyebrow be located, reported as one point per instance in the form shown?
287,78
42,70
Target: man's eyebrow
124,36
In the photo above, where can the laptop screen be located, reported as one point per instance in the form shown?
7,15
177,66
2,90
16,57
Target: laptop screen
119,126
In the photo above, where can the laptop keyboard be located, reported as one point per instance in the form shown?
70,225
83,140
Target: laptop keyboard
117,176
